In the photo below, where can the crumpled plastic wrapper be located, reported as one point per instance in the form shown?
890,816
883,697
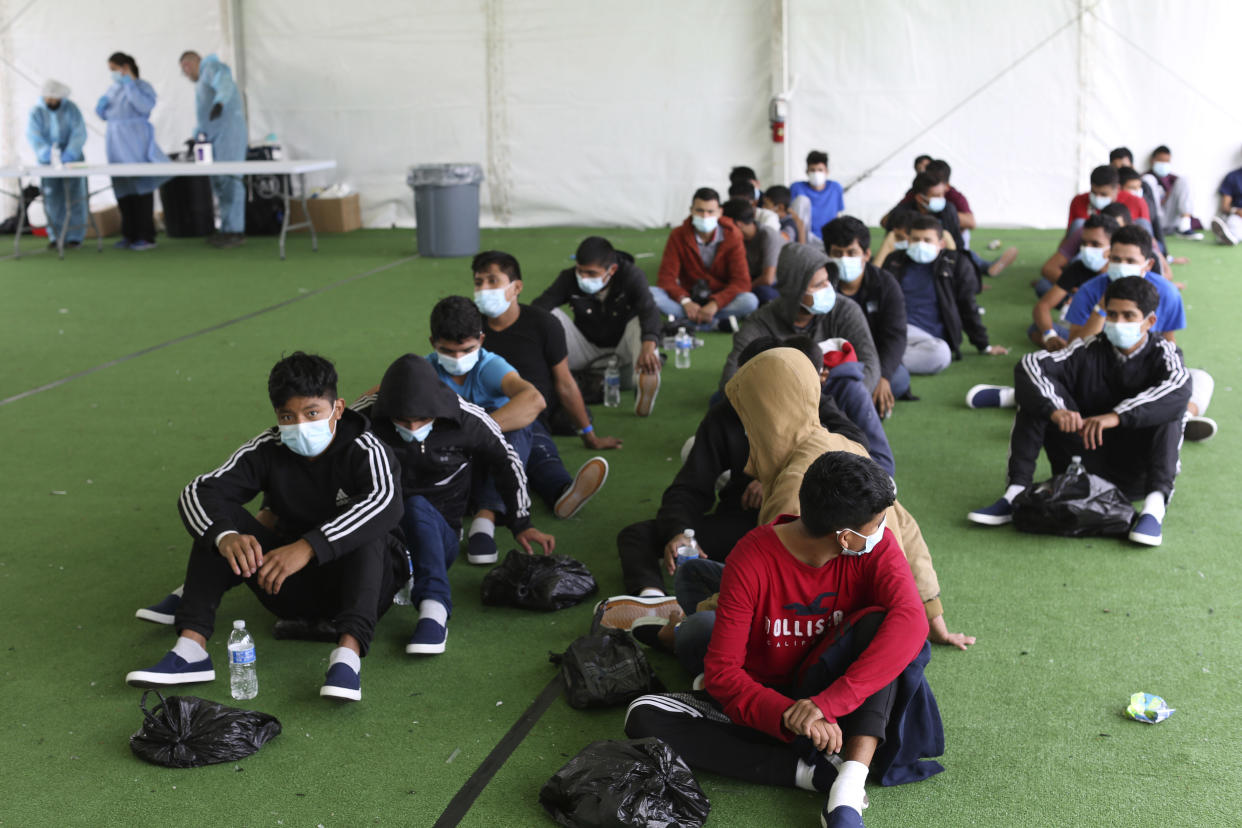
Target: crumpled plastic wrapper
1149,709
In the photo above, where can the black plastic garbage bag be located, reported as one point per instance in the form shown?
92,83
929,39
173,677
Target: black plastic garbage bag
604,669
539,582
640,782
1074,504
189,732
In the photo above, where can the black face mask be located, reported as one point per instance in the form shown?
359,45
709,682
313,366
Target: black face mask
54,107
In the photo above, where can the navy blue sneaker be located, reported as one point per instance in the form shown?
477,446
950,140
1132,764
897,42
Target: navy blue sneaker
428,639
987,396
172,669
842,816
342,683
998,514
123,244
164,612
481,549
1146,530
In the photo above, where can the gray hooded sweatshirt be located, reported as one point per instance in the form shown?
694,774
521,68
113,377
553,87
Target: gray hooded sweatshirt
794,269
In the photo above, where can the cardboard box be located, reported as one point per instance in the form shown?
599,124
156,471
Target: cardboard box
330,215
108,220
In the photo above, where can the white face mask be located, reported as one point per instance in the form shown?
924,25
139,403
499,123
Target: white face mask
459,366
1120,270
1161,168
1123,335
869,541
822,300
491,303
419,434
818,178
901,244
705,224
307,439
923,252
1099,202
936,204
849,268
588,284
1093,258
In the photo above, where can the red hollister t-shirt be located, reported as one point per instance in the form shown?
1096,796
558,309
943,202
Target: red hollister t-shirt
773,610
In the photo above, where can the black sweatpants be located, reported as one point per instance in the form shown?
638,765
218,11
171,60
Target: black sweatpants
695,726
352,591
1136,460
137,217
642,550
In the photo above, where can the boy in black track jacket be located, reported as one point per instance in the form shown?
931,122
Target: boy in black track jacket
1117,400
439,437
335,551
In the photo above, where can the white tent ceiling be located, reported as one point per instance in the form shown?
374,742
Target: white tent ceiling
611,114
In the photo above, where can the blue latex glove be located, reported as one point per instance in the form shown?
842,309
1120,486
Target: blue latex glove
102,102
71,157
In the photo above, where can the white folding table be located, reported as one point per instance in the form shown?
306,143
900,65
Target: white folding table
284,170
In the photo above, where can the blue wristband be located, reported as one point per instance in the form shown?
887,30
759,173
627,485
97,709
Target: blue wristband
587,429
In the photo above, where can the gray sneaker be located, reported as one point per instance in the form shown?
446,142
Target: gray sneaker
222,241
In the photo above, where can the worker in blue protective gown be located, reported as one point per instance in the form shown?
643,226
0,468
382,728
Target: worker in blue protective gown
56,125
218,104
126,106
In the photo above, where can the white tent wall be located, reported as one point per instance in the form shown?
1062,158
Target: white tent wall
611,114
71,41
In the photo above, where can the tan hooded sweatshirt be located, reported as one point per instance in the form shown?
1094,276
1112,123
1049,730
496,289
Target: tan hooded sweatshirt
776,394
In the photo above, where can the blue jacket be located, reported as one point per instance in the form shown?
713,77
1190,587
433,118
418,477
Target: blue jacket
227,133
126,106
61,127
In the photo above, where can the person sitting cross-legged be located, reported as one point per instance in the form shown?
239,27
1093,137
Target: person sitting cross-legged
1116,400
763,247
335,553
813,676
703,277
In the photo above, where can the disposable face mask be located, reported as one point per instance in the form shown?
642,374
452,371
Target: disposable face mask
923,252
1099,202
418,434
1120,270
935,204
1092,257
1123,335
758,196
590,285
307,439
705,224
116,76
818,178
849,268
901,245
822,300
869,540
458,366
1161,168
491,303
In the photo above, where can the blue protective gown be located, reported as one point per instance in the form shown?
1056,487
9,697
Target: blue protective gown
126,106
61,127
227,134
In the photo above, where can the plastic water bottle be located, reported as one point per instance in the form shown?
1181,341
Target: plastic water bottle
682,345
272,142
243,679
402,598
688,551
612,384
1076,467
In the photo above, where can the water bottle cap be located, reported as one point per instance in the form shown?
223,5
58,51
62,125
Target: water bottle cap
1076,458
681,331
239,625
689,533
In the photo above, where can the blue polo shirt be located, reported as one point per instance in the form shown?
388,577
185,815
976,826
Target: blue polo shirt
825,203
1170,314
918,283
1232,187
482,386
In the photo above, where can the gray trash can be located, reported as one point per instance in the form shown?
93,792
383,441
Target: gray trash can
446,208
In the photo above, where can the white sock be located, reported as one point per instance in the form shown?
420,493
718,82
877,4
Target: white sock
1201,387
179,590
1013,491
1154,506
651,592
346,655
804,775
849,788
483,526
1008,398
188,649
433,610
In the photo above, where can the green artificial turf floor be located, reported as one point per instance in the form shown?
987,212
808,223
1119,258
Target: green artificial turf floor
1067,629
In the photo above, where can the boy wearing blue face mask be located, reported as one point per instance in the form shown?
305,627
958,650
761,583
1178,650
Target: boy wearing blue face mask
1117,400
490,382
879,296
613,314
1091,261
439,439
939,289
335,553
